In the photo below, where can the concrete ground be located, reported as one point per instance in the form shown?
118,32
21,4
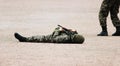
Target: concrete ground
38,17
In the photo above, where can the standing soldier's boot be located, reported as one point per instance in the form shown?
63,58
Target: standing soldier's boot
20,38
104,31
117,33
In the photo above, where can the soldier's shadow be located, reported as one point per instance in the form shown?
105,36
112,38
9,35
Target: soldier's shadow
62,43
50,43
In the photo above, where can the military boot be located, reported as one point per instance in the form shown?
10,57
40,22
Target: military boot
117,33
20,38
104,31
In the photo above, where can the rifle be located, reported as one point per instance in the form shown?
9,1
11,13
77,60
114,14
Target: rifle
68,31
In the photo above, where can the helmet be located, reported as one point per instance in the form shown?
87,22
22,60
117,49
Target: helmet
78,38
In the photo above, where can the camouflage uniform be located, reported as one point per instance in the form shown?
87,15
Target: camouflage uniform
57,36
111,6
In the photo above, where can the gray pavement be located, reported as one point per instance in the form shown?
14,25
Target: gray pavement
38,17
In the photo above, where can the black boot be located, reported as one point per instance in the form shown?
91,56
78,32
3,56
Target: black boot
117,33
104,31
19,37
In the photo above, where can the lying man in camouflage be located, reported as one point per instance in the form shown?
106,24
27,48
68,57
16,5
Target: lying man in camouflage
60,35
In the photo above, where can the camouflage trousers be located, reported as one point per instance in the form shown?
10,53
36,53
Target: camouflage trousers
112,7
55,37
49,38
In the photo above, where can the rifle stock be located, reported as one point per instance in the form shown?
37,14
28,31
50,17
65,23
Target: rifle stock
63,27
68,31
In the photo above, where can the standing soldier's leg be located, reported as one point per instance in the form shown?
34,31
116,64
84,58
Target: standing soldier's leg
41,38
114,17
104,11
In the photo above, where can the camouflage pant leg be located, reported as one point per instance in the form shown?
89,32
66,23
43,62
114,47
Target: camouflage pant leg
114,14
104,11
39,38
44,38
